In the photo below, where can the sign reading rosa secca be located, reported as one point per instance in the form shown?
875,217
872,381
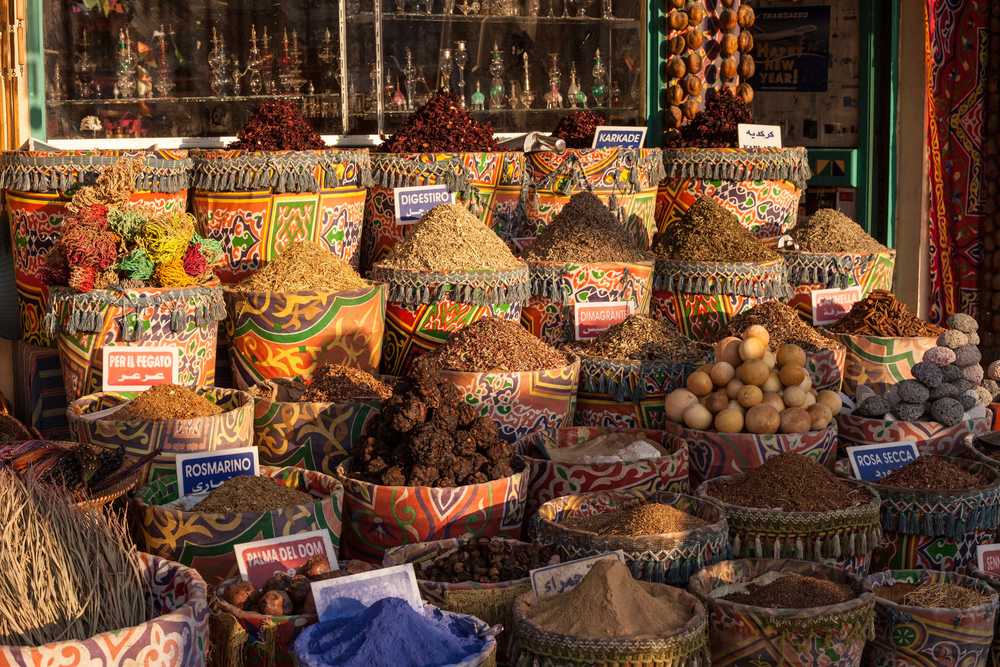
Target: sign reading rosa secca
139,368
413,202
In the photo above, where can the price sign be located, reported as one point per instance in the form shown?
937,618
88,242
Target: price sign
413,202
259,561
829,305
759,136
138,368
873,462
608,136
203,471
561,577
590,319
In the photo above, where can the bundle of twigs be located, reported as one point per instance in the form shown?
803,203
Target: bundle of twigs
65,574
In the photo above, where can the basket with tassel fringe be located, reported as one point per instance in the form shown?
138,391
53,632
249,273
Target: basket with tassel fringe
811,271
257,203
844,538
760,186
35,185
664,559
491,185
746,635
936,530
83,324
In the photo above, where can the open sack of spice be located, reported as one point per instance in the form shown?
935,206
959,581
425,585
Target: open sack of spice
611,447
83,471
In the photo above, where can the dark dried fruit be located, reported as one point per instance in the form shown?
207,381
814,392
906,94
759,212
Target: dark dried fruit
275,603
442,125
278,126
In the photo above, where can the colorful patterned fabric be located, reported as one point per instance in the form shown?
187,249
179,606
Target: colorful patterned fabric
39,392
808,272
930,437
880,361
994,582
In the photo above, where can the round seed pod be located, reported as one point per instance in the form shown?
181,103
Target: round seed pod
674,116
694,39
692,85
729,45
676,68
675,94
747,66
677,44
727,19
728,69
691,107
745,16
693,61
745,93
745,41
696,13
677,19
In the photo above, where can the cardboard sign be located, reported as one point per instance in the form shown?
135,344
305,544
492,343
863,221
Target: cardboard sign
829,305
413,202
759,136
203,471
610,136
873,462
561,577
988,558
259,561
346,596
139,368
591,319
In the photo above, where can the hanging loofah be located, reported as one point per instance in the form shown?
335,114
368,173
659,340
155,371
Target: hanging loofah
137,265
172,274
166,237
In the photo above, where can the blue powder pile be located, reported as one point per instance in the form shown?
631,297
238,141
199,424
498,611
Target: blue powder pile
390,632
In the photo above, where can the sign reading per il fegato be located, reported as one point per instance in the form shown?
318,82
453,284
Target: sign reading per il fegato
617,136
412,203
873,462
139,367
204,471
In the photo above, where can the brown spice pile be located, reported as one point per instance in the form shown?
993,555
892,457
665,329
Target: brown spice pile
794,591
428,436
450,238
492,344
487,561
933,473
608,602
585,231
829,230
789,482
642,338
166,401
644,519
251,494
932,595
784,325
303,266
882,314
707,232
335,383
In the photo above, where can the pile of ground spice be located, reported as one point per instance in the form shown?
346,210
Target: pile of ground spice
608,602
426,435
336,383
277,126
450,238
304,266
637,521
642,338
707,232
585,231
166,401
933,473
487,561
793,591
492,344
784,326
251,494
882,314
829,230
789,482
442,125
932,595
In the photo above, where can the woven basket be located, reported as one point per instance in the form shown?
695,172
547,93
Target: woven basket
670,558
39,393
748,636
994,582
844,538
811,271
930,437
881,361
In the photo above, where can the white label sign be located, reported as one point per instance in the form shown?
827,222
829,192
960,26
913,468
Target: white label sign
608,136
561,577
347,595
413,202
203,471
137,368
829,305
259,561
759,136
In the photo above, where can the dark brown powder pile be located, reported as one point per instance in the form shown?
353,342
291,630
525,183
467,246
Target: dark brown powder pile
166,401
784,325
487,561
933,473
794,591
882,314
450,238
492,344
304,265
707,232
427,435
644,519
829,230
608,602
334,383
585,231
251,494
789,482
642,338
932,595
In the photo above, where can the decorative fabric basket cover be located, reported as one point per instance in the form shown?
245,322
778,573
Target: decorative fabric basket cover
39,392
880,361
557,288
175,635
930,437
669,558
994,582
761,186
378,518
842,538
289,334
315,435
490,184
811,271
257,203
424,308
625,179
826,366
928,637
700,298
715,454
748,636
35,185
231,429
522,402
186,318
936,530
205,540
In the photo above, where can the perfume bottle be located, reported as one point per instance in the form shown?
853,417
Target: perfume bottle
267,63
164,85
124,66
327,57
573,93
496,83
553,98
84,82
527,96
254,80
478,99
56,90
444,70
461,58
218,66
600,87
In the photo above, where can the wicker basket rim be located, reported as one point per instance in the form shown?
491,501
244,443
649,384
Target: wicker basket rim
973,583
521,273
75,410
464,586
886,492
792,252
871,507
551,264
769,264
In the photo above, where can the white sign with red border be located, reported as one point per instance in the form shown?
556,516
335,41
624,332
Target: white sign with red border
259,561
592,319
988,558
140,367
829,305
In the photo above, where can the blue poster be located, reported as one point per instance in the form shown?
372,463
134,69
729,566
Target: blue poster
792,49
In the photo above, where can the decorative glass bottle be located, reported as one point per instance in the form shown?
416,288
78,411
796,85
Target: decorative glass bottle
553,98
496,83
124,66
600,88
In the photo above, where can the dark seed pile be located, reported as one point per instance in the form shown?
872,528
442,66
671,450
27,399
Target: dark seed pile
715,126
336,383
932,595
933,473
442,125
166,401
642,338
882,314
829,230
794,591
707,232
644,519
492,344
487,561
251,494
